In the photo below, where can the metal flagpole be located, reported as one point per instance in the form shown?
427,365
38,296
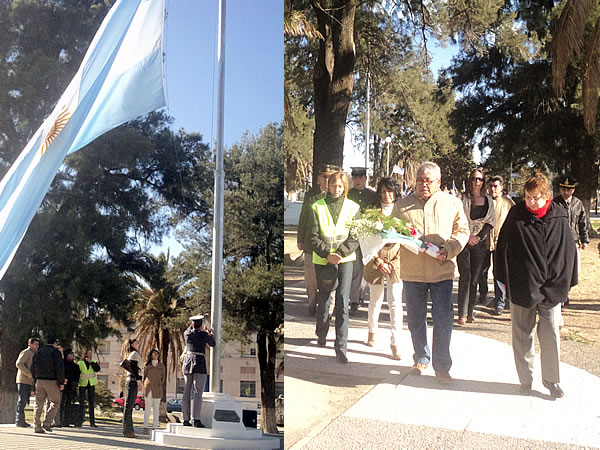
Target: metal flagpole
217,256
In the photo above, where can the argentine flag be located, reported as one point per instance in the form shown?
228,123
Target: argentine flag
120,78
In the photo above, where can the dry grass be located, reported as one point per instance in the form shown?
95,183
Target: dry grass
582,316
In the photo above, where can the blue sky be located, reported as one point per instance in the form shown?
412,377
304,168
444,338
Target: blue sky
253,66
253,69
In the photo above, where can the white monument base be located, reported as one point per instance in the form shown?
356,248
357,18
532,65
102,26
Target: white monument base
222,417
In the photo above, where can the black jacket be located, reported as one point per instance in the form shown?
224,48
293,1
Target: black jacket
303,235
48,365
72,372
536,258
577,218
366,198
196,342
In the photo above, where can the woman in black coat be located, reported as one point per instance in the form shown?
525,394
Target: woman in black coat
536,262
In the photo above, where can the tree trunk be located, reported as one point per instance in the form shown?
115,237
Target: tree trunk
14,332
267,350
333,79
164,350
8,405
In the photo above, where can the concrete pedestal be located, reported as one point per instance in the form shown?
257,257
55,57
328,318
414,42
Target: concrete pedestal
222,417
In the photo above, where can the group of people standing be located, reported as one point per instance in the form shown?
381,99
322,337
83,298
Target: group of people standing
531,266
56,378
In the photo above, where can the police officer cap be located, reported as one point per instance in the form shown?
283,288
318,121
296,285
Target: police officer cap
359,172
328,169
197,317
567,182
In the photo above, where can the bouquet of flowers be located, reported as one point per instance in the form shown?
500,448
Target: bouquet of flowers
373,230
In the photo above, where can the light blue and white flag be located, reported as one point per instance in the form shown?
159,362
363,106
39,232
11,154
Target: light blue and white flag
120,78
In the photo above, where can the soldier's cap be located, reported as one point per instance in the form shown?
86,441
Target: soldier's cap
52,339
567,182
328,169
197,317
359,171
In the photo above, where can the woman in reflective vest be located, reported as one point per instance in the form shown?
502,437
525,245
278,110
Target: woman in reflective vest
333,256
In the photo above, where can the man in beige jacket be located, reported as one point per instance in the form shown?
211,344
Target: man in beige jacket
441,220
25,380
502,204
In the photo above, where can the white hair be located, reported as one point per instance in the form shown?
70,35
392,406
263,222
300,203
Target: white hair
431,168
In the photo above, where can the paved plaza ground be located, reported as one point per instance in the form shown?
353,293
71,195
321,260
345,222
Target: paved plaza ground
377,402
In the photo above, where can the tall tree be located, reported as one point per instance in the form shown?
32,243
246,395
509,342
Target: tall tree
158,315
253,288
333,78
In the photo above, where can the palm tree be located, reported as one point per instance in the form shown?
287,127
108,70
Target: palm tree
576,41
158,314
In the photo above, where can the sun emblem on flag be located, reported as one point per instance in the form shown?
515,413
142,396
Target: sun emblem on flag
56,128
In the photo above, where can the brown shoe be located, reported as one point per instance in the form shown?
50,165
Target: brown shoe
460,322
419,368
129,435
371,339
470,319
443,377
395,352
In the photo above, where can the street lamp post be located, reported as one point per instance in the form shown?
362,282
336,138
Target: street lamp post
387,166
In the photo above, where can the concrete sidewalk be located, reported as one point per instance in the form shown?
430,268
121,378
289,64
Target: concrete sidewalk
106,436
376,402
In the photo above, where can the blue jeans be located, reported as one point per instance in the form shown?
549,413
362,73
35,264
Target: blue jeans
442,313
499,299
24,391
342,299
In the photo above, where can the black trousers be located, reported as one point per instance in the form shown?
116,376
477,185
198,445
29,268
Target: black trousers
91,395
130,396
470,263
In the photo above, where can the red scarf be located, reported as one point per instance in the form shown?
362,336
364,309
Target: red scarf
541,212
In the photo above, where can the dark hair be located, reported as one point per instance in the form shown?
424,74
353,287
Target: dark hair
389,184
197,324
131,341
67,352
32,340
469,185
149,360
496,178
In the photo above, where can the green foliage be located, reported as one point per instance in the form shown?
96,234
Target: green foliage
104,398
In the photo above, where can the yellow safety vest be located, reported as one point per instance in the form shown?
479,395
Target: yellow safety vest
334,233
87,375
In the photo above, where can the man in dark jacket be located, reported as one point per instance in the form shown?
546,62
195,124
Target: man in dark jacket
49,376
535,261
68,414
576,213
303,235
197,337
366,198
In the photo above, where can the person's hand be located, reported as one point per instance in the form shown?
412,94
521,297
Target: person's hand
300,246
334,258
474,240
442,254
385,268
61,387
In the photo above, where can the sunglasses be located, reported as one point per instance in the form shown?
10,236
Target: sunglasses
477,179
